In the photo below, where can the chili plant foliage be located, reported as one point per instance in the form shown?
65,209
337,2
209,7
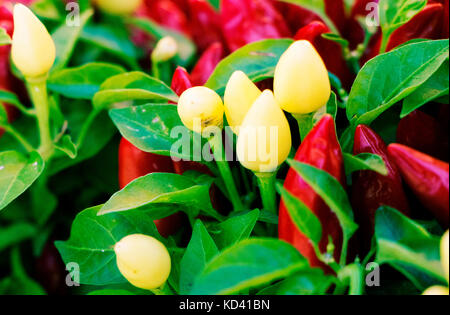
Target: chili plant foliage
265,148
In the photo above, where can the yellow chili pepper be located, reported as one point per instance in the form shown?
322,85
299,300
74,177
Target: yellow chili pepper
33,50
118,7
264,139
301,82
199,108
143,261
240,94
165,49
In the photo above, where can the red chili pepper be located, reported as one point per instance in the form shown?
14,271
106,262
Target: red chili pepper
181,81
247,21
322,150
427,177
207,63
330,51
204,23
134,163
371,190
423,133
295,16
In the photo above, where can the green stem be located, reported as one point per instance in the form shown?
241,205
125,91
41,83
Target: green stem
87,124
224,168
305,124
38,91
164,290
266,183
9,129
384,43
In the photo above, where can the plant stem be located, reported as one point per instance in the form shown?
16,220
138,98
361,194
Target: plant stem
224,168
305,124
9,129
384,43
266,182
38,91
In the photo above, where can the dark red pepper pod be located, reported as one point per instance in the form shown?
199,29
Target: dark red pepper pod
247,21
330,51
427,177
295,16
371,190
181,81
322,150
423,133
207,63
135,163
204,23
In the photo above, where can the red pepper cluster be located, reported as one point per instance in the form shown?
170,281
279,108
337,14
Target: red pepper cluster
426,176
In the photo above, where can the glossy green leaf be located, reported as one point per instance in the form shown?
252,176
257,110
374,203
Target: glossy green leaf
12,99
248,264
66,37
84,81
408,247
304,219
186,48
111,292
395,13
200,250
257,60
235,229
113,40
364,161
67,146
308,282
435,87
162,188
157,128
132,86
92,240
409,67
17,173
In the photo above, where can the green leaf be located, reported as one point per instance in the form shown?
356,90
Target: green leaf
92,240
364,161
186,48
66,37
199,252
308,282
248,264
305,220
113,40
162,188
215,4
235,229
395,13
84,81
337,39
11,99
435,87
409,67
257,60
331,108
15,234
409,248
156,128
334,195
67,146
132,86
17,173
4,37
